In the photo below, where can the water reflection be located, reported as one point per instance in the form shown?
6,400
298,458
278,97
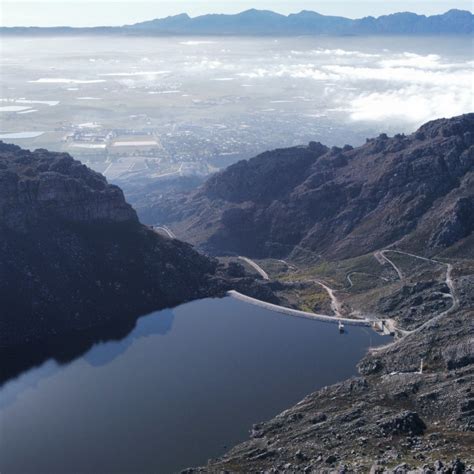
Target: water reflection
105,352
172,393
98,351
65,349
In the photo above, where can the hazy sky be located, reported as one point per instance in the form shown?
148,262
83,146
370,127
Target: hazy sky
118,12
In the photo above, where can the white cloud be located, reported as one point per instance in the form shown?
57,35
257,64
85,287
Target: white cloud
414,104
204,64
296,71
406,68
196,43
336,52
13,108
404,87
407,75
420,88
60,80
430,61
135,73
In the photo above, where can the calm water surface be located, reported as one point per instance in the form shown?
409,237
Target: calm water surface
180,388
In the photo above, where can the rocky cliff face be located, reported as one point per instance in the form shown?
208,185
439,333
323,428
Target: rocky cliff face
337,202
74,255
41,186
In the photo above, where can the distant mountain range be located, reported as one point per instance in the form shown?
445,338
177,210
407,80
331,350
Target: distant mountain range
262,22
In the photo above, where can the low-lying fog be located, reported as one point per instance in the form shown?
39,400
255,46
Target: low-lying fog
151,107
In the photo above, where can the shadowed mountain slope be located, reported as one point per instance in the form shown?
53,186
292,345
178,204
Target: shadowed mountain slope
73,254
339,202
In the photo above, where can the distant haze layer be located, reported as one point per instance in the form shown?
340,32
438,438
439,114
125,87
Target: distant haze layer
172,106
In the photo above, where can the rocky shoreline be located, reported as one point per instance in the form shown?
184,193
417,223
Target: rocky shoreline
412,407
390,419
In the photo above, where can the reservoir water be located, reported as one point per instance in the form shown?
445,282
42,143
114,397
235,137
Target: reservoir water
184,385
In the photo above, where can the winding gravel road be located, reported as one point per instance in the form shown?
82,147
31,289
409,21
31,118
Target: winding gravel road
336,305
381,257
